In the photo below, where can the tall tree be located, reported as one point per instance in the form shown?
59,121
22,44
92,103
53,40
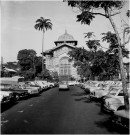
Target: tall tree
26,59
110,8
26,62
43,24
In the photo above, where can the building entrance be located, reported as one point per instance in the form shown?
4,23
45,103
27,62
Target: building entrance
65,69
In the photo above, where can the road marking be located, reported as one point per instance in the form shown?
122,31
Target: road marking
25,121
37,101
2,122
31,105
20,111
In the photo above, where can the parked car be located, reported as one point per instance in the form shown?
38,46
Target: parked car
71,83
33,84
93,85
6,96
101,91
32,90
51,84
63,86
121,117
56,84
42,84
18,92
48,84
11,84
113,100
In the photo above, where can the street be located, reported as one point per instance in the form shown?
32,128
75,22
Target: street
58,112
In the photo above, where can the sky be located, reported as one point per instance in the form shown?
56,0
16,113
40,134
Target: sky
19,17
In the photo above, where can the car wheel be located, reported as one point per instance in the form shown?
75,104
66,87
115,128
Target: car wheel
121,108
102,107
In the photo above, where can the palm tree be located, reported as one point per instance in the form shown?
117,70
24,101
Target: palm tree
43,24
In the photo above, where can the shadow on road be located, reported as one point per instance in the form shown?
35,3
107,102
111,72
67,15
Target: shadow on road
79,94
98,104
6,106
83,97
111,127
80,99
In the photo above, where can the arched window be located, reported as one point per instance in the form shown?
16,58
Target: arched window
65,66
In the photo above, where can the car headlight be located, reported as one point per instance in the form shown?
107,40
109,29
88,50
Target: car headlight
10,95
113,108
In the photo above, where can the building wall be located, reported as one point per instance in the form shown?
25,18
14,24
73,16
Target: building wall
52,63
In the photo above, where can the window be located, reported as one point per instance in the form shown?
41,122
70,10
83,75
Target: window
65,66
121,93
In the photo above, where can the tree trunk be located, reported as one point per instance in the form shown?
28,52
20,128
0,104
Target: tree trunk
42,51
122,70
34,65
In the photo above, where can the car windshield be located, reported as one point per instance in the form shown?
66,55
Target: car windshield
113,91
32,83
121,93
62,82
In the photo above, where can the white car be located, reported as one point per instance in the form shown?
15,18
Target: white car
121,118
104,89
6,96
51,84
100,92
31,89
33,84
93,85
46,84
63,86
71,83
114,99
41,84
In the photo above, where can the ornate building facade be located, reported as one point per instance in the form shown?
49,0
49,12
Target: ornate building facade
57,58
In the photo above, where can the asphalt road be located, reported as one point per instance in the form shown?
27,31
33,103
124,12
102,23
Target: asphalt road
57,112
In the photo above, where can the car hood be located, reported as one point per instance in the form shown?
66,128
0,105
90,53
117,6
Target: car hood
122,113
115,100
5,93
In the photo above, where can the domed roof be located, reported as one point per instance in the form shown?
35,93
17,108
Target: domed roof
66,37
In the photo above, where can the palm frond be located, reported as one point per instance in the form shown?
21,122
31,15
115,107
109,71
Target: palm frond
43,23
38,20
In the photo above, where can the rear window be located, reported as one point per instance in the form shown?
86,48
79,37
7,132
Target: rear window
113,91
121,93
62,82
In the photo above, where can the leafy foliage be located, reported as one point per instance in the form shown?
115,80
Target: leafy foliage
89,35
38,64
43,24
85,18
128,13
45,75
25,59
98,63
30,65
113,44
88,8
55,76
11,65
93,44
